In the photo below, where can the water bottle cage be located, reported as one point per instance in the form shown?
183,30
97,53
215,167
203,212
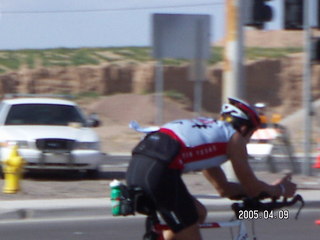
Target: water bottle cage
126,202
134,200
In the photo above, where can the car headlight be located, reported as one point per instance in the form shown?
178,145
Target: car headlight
19,143
87,145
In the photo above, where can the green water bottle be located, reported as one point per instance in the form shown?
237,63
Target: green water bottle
115,195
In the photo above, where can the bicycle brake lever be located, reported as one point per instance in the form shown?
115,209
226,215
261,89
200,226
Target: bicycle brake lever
300,199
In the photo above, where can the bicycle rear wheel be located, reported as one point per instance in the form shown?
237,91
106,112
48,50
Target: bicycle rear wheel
152,236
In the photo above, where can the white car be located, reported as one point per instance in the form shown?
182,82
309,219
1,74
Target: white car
50,134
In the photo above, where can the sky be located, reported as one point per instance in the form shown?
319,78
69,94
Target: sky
39,24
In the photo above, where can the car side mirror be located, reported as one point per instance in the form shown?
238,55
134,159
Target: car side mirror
93,120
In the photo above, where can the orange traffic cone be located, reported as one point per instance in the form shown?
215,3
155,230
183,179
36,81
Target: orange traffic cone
317,163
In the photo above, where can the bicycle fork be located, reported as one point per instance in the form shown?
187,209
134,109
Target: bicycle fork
243,233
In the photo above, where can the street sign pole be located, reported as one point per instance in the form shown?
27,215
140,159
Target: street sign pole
159,92
199,69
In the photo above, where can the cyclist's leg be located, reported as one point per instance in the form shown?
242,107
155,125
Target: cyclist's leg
190,233
180,210
169,194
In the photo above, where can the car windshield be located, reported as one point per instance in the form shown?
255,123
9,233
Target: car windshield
43,114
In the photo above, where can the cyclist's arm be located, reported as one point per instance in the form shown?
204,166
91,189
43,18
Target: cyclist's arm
237,153
217,178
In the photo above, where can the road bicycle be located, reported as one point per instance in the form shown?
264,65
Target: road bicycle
135,201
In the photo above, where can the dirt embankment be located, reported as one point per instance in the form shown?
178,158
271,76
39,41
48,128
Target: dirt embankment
277,82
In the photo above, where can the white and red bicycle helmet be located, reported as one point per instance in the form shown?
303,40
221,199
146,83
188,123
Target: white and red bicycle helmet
242,112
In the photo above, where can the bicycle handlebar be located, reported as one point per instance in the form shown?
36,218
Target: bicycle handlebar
257,204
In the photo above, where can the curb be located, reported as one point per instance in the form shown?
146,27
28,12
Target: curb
53,208
63,208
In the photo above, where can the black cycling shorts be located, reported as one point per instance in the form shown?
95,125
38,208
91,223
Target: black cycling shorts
166,189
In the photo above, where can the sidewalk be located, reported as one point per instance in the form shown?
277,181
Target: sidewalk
91,205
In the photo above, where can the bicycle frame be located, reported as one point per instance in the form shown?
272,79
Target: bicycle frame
156,230
134,201
242,235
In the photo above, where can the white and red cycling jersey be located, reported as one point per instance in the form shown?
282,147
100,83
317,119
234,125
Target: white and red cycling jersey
203,140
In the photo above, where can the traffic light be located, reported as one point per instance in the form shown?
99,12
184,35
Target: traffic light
256,13
315,50
293,14
316,23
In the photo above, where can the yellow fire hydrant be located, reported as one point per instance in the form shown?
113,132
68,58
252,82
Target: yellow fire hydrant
12,168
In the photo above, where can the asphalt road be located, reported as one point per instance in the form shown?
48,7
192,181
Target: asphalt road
107,227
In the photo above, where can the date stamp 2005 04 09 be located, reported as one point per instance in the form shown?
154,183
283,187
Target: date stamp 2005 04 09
255,214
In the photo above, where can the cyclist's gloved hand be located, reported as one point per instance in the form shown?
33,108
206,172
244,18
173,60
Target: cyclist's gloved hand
287,187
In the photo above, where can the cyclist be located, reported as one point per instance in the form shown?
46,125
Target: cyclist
159,160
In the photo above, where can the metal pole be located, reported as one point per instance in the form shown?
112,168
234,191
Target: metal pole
159,92
307,104
233,80
197,99
197,105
